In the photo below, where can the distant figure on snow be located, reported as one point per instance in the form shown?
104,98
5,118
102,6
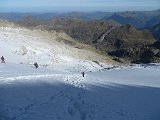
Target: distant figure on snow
36,65
2,59
83,74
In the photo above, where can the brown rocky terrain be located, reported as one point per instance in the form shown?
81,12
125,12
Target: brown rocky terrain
124,43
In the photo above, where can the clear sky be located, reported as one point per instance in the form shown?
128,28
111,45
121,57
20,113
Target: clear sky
76,5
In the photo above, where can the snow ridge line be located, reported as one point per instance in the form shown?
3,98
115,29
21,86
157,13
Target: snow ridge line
28,77
75,80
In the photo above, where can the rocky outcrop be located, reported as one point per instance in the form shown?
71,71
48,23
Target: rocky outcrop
124,43
120,37
139,54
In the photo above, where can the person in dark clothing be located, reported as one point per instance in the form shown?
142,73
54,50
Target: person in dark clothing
83,74
2,59
36,65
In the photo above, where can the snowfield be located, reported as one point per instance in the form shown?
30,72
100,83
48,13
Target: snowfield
57,90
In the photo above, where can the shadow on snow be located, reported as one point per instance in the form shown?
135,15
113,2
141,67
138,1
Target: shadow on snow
64,102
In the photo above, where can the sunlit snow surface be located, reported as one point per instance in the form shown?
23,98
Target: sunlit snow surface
130,93
61,93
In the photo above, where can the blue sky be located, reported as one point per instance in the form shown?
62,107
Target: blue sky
76,5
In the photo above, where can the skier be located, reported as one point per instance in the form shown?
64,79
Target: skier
2,59
36,65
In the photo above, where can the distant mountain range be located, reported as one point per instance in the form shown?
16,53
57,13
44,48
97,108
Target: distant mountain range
20,16
139,19
47,16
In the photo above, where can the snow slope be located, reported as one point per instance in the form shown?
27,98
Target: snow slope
20,45
57,90
130,93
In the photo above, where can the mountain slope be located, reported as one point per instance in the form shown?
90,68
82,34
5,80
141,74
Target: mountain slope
80,30
46,48
128,44
124,36
108,37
